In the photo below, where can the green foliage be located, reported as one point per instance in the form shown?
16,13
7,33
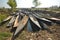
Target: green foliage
12,4
36,3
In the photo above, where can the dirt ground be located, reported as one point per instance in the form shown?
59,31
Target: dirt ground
41,35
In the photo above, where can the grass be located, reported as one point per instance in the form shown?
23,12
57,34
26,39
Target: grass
4,35
2,16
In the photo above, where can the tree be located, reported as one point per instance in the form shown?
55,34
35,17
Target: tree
36,3
12,4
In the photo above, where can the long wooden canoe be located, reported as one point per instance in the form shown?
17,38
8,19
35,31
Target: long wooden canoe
11,22
34,27
5,20
43,25
42,19
55,20
29,26
34,20
45,19
8,18
21,25
16,21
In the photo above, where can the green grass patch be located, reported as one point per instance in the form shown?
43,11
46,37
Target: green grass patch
4,35
2,17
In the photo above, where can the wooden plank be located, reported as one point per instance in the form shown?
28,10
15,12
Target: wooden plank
21,25
34,20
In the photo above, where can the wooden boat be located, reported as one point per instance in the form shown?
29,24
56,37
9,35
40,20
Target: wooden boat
43,19
43,25
21,25
55,20
11,22
48,22
16,21
8,18
29,26
42,22
5,20
34,20
34,27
